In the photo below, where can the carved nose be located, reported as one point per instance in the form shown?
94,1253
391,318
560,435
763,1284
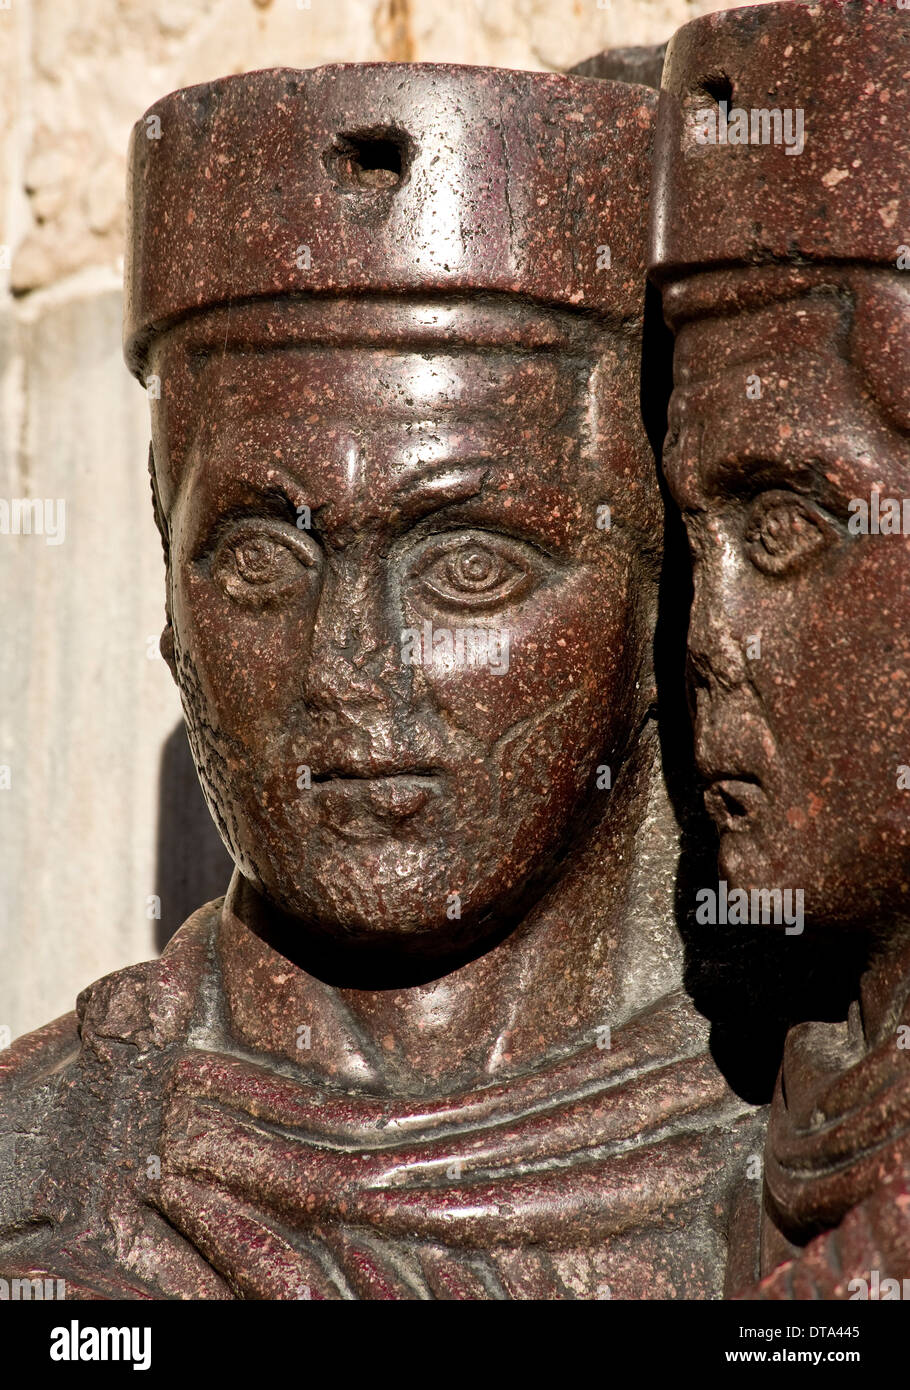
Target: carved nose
353,654
716,656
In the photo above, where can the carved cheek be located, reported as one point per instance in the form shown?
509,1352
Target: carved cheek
564,647
247,660
853,659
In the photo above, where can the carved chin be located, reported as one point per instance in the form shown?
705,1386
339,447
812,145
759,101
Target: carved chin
373,887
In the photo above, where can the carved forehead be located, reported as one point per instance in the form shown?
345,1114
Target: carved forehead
395,357
399,383
439,378
337,420
789,378
807,323
793,345
319,410
811,324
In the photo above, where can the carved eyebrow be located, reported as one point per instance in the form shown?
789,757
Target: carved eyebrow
751,471
441,487
277,496
281,496
731,471
272,499
682,468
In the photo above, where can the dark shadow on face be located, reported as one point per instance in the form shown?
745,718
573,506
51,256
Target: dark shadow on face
193,867
752,984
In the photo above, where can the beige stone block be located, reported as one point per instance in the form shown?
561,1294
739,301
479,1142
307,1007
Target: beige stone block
12,210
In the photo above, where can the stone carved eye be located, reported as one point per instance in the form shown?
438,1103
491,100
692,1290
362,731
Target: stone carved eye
475,571
259,562
783,531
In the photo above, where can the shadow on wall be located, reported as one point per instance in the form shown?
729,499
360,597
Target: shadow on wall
193,866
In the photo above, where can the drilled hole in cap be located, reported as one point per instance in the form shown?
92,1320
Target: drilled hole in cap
717,87
368,159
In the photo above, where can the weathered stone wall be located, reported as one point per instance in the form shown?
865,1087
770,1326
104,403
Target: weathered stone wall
101,814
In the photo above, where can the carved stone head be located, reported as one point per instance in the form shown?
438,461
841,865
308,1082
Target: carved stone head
781,214
391,317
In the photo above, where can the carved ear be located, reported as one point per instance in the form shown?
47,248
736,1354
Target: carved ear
160,518
166,641
166,647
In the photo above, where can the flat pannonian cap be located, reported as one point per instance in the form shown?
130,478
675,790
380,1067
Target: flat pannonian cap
844,196
387,178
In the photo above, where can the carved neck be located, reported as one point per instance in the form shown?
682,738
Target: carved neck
598,945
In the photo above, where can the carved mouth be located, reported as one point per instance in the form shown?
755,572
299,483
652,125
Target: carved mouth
361,805
733,801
